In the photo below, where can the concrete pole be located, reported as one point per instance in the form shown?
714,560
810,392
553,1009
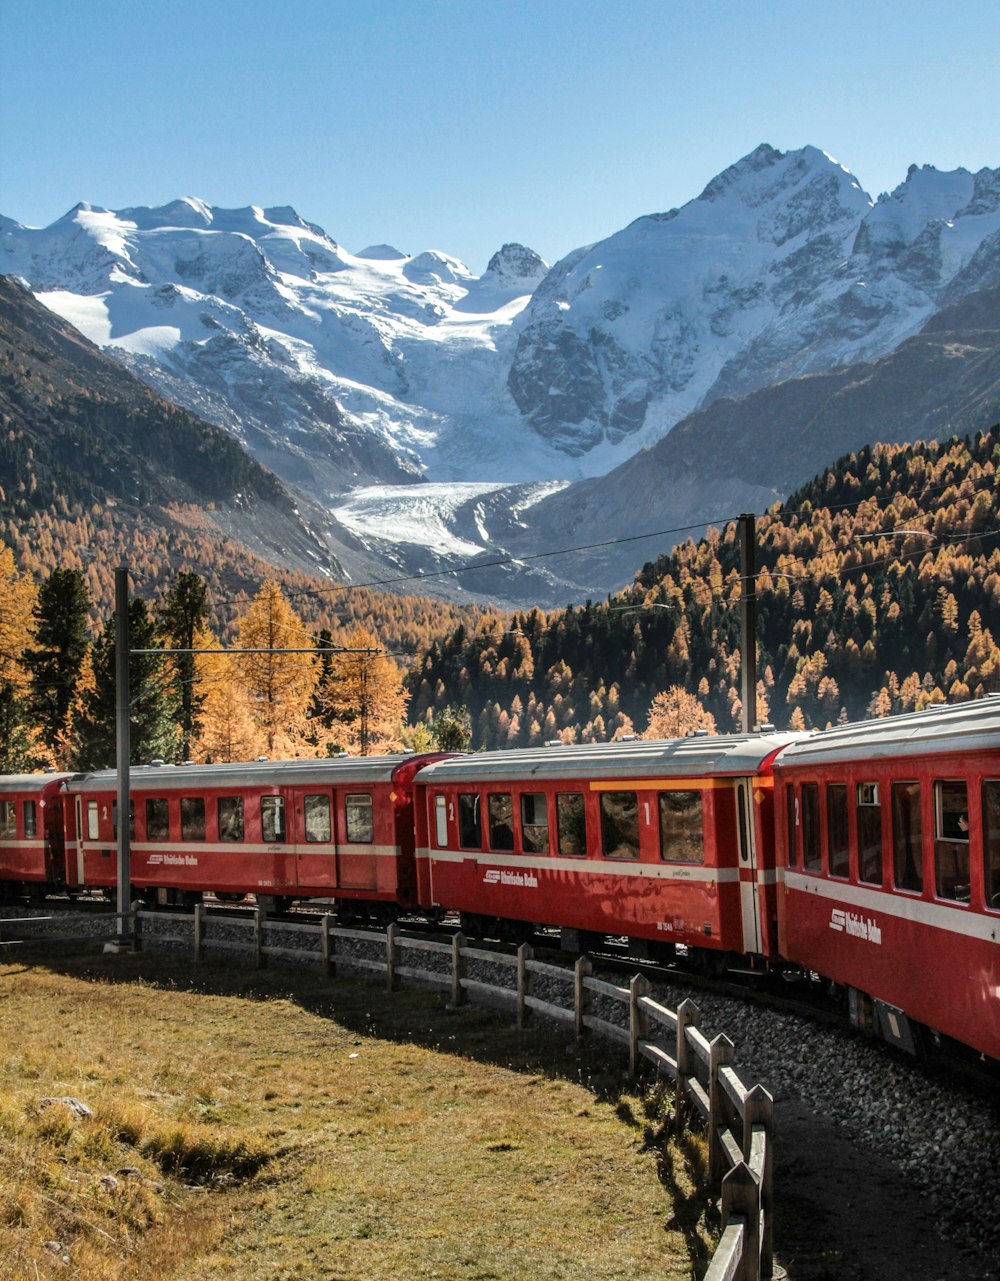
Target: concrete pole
748,622
123,752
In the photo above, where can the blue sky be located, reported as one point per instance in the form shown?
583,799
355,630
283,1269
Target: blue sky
461,124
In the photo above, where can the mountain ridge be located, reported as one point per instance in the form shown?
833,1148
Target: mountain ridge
348,374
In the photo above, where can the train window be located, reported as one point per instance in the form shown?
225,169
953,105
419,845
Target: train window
272,819
470,831
317,815
869,815
571,823
8,818
441,822
230,812
991,842
812,854
951,839
951,810
907,840
619,825
192,818
791,823
93,822
358,812
30,820
681,836
534,823
501,815
157,818
837,840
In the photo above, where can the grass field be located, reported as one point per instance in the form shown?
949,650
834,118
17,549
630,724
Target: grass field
269,1125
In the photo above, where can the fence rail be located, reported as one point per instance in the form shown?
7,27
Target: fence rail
738,1120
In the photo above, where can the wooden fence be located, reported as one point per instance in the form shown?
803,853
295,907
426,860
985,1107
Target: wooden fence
737,1119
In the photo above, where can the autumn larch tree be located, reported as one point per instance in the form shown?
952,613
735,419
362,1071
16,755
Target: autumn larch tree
19,740
280,685
365,697
674,712
226,729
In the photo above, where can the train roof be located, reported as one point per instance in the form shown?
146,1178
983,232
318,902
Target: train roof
733,754
325,770
28,782
962,727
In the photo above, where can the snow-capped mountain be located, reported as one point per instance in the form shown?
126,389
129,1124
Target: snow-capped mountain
782,266
356,376
335,369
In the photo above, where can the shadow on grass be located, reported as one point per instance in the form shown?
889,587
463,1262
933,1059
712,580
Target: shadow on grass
425,1018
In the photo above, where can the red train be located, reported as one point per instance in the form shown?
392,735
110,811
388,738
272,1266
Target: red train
869,854
890,854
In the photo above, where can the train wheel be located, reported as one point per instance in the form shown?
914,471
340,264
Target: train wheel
384,913
707,963
516,932
472,924
349,912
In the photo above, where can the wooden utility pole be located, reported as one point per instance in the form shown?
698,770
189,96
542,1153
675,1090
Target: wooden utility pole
123,752
748,621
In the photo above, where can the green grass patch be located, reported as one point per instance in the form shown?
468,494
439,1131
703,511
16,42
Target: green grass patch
268,1125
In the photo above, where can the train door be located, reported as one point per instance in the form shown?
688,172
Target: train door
356,852
54,841
749,886
316,848
80,878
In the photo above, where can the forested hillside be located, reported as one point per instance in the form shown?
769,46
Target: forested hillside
878,591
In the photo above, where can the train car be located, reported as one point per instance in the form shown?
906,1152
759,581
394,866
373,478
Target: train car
889,846
337,828
32,861
667,843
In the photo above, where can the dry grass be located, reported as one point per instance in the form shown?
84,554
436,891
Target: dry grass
328,1131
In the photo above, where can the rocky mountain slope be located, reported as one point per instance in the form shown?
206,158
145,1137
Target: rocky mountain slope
743,454
80,432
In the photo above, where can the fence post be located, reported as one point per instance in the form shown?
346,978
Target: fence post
688,1015
638,1021
720,1052
741,1199
199,915
134,924
524,954
759,1110
457,969
391,956
258,938
581,994
324,938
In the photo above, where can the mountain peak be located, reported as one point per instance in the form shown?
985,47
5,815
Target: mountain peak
513,262
381,253
763,157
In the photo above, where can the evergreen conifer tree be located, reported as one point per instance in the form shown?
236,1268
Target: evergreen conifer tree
153,702
182,615
55,660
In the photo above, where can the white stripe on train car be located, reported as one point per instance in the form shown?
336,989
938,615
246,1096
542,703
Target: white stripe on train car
196,848
586,867
955,919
